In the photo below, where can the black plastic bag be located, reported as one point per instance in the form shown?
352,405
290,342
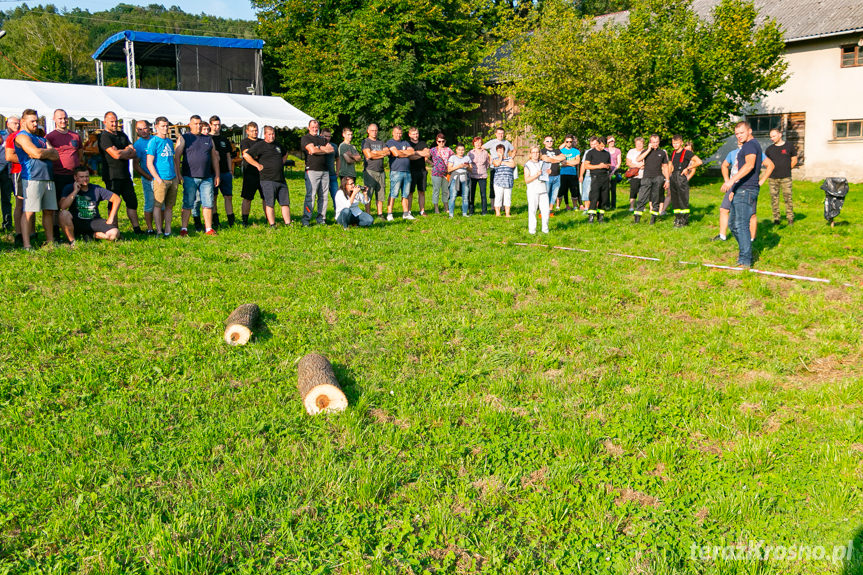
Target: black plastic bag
835,190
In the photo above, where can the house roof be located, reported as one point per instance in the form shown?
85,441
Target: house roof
800,19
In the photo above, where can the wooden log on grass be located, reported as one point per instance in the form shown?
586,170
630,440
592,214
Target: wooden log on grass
241,322
319,388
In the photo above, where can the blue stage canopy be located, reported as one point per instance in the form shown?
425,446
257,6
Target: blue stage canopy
111,49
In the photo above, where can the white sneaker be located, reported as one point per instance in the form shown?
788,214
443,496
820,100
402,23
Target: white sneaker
408,216
450,214
389,217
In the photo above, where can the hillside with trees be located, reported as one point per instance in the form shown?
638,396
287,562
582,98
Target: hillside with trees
48,44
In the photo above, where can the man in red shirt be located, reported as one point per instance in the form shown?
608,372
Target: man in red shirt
15,174
68,145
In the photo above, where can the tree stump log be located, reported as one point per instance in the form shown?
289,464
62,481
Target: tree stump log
319,388
239,325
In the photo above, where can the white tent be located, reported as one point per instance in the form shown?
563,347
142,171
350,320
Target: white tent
92,102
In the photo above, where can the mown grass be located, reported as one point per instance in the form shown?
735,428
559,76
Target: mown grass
513,409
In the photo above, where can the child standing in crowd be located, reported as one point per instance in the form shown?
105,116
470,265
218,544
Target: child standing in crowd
504,171
537,192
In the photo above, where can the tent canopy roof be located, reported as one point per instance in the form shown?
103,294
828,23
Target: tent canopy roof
92,102
152,49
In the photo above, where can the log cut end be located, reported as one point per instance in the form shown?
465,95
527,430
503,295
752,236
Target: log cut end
239,325
237,334
325,399
318,385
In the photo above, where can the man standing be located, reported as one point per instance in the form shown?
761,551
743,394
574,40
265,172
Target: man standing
584,176
68,145
400,173
269,159
553,157
374,178
598,161
139,165
419,173
116,151
332,159
569,172
226,151
79,207
744,190
9,179
199,168
654,180
783,158
36,155
683,164
163,168
348,156
251,175
317,175
491,148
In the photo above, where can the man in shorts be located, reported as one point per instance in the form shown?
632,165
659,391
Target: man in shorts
139,165
161,164
68,145
251,175
35,154
79,209
419,173
374,178
226,151
197,161
269,159
117,151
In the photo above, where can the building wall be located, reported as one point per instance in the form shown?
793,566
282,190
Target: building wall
824,91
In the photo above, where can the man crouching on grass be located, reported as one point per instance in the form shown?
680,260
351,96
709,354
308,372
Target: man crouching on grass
79,209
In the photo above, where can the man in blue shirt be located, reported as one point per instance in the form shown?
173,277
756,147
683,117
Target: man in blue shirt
743,187
569,172
161,165
36,156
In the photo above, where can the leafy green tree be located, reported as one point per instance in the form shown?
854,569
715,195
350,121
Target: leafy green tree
665,70
388,61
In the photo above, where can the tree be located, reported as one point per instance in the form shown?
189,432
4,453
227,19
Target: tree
388,61
665,70
47,46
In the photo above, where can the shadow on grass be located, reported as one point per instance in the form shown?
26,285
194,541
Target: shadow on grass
766,239
853,564
262,332
345,376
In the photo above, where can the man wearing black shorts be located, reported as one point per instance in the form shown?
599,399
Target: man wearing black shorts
79,209
117,151
226,151
251,175
683,163
268,158
654,181
598,161
419,173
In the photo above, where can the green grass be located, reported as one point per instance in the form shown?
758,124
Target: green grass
513,409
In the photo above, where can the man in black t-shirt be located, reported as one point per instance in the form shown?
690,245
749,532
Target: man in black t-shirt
269,159
316,149
251,176
419,173
79,209
552,156
654,181
683,164
117,150
374,151
225,149
783,158
598,161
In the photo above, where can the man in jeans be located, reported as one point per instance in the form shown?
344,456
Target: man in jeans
7,186
400,173
743,188
139,165
200,171
783,158
316,148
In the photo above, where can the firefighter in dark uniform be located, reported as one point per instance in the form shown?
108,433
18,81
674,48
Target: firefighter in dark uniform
683,164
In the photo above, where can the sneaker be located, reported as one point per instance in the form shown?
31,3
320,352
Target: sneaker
151,232
423,213
166,235
590,218
408,216
389,217
451,215
631,209
551,214
184,232
466,215
211,232
718,238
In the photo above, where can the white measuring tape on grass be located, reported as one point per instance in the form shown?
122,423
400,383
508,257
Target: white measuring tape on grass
712,266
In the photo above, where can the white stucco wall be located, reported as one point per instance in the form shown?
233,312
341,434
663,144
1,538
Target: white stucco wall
818,86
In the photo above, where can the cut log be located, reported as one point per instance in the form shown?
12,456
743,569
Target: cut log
319,388
240,323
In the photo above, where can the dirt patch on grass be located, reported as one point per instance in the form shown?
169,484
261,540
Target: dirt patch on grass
628,495
660,472
858,447
701,515
487,486
466,562
382,416
750,407
535,479
612,449
827,369
498,405
705,445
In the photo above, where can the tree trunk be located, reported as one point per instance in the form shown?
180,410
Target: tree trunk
318,385
240,324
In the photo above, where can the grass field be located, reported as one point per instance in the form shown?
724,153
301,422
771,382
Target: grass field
513,409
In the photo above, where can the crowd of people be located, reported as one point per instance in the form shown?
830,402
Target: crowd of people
47,174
